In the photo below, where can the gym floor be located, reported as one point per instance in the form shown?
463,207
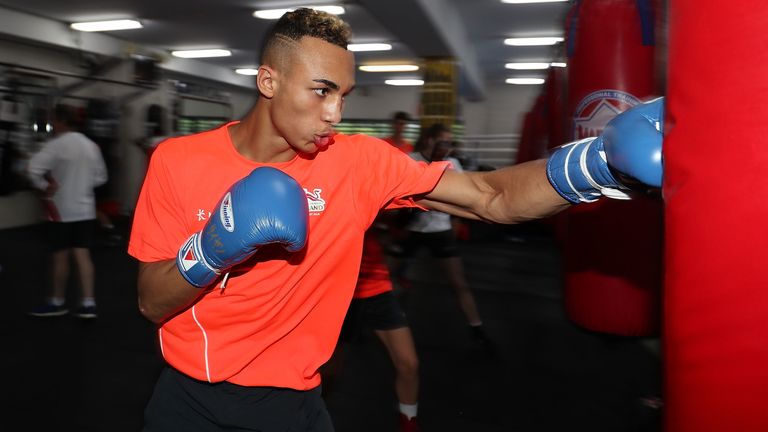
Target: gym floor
546,374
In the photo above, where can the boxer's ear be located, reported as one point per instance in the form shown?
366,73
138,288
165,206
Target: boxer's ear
267,81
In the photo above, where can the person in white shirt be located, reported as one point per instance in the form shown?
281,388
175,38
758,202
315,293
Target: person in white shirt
434,230
66,170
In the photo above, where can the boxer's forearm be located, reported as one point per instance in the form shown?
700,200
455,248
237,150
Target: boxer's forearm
163,292
509,195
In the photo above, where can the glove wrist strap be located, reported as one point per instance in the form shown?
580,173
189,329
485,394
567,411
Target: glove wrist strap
192,264
579,172
610,192
565,173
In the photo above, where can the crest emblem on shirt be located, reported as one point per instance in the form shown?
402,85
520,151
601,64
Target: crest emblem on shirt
315,202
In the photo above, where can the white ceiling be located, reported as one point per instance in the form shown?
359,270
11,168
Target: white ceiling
472,31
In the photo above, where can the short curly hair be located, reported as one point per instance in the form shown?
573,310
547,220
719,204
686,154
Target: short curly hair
294,25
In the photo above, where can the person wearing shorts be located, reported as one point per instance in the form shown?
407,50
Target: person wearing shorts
375,307
434,231
66,171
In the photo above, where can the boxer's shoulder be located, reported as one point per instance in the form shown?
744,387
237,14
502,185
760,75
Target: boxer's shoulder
200,145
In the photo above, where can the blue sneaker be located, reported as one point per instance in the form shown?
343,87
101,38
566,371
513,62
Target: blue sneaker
87,312
48,310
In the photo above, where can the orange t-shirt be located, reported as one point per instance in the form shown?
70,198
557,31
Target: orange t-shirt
278,318
374,274
403,145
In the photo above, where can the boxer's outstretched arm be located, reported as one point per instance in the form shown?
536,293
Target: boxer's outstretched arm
627,154
509,195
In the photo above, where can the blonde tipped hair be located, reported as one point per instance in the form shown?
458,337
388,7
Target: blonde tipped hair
303,22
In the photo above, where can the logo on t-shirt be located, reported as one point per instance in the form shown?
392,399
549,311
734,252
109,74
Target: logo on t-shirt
225,213
315,202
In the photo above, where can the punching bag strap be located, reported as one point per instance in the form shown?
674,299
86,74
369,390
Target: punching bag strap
645,10
573,24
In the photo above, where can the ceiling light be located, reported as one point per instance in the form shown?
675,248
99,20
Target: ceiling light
277,13
532,1
558,64
247,71
389,68
534,41
94,26
525,81
369,47
203,53
527,66
404,82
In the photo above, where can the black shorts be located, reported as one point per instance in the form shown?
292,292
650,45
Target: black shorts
68,235
180,403
380,312
441,244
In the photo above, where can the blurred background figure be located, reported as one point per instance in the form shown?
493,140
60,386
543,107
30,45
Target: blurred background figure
466,160
66,171
435,231
375,307
399,120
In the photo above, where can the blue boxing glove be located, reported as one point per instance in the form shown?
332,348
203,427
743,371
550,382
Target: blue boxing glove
627,152
267,206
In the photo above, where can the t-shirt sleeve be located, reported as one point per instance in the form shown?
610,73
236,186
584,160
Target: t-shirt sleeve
390,179
158,229
424,184
455,164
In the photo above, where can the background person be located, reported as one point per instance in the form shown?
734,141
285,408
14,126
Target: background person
435,231
374,306
399,121
66,171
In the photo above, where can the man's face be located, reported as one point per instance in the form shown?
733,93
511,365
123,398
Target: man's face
310,95
443,146
399,126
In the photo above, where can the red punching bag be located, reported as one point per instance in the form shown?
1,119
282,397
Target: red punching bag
556,97
715,154
613,249
533,138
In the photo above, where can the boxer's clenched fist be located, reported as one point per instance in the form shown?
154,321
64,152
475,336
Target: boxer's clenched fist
267,206
628,152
